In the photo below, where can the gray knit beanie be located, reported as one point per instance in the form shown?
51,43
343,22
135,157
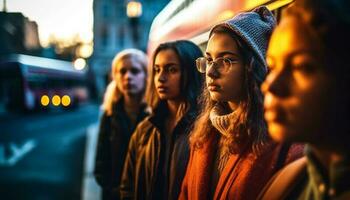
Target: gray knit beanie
254,29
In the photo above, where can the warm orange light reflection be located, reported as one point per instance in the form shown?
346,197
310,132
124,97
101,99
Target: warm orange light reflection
56,100
45,100
66,100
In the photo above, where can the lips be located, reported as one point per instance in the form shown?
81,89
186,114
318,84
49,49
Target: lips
162,89
128,86
274,112
213,87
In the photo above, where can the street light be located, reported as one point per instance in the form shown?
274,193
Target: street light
134,11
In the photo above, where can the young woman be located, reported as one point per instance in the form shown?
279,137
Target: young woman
307,99
123,109
231,155
158,150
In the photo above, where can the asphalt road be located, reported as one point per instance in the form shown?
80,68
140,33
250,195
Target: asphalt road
42,154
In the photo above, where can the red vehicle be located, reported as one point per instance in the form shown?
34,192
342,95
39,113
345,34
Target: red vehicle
24,80
192,19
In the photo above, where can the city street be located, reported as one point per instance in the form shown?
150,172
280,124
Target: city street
42,154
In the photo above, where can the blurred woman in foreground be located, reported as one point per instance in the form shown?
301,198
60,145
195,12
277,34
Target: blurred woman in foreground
307,99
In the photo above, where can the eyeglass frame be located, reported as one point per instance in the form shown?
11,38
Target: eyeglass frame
202,64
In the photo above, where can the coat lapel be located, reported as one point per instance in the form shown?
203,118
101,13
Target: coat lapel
204,159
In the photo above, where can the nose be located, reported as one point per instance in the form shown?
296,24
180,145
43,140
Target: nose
162,77
212,72
128,75
277,83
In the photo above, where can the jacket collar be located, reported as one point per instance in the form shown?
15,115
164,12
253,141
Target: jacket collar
161,111
331,183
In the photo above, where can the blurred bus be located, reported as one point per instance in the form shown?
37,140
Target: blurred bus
29,83
193,19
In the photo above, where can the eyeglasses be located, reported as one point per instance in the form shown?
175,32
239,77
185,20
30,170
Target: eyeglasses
222,65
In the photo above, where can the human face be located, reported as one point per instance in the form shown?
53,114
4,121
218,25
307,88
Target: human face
130,77
228,86
297,90
167,75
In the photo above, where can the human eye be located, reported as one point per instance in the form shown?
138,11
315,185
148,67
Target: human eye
122,71
229,61
304,64
208,60
135,70
172,69
156,69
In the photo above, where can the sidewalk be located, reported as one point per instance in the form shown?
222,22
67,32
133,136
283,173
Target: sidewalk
90,189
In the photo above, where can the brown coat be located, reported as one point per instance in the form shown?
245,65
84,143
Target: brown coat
243,176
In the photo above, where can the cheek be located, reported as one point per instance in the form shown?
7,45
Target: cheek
307,105
233,84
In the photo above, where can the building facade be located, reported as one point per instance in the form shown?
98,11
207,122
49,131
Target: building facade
18,34
115,31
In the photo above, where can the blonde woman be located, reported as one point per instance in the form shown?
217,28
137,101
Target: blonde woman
123,108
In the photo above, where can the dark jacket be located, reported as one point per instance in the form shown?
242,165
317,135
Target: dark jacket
114,134
143,175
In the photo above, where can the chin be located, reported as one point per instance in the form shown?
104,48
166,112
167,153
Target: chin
282,133
277,132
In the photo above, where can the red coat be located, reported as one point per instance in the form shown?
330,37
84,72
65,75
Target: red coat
243,177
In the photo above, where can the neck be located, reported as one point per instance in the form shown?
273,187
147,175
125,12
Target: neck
132,101
173,107
132,106
233,105
326,156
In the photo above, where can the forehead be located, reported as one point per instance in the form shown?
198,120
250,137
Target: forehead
129,62
166,56
221,42
292,35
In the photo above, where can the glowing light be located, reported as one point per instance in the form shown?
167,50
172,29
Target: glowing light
85,51
79,64
56,100
45,100
65,100
134,9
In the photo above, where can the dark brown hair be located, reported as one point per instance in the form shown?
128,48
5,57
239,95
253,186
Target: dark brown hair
249,128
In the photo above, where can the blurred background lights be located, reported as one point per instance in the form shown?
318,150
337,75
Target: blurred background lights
79,64
56,100
45,100
85,50
134,9
65,100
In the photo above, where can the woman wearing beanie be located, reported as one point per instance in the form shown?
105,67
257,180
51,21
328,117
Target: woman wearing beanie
231,155
307,99
158,150
123,108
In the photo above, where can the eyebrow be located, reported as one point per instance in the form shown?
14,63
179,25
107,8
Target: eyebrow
297,52
167,65
221,54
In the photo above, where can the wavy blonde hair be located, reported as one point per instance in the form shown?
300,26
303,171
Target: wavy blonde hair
112,93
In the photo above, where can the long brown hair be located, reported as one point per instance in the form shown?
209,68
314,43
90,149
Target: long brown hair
191,79
249,127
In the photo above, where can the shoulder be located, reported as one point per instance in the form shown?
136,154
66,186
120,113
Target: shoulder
143,130
295,152
284,181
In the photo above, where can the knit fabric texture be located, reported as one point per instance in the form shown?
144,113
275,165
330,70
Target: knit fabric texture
254,29
220,119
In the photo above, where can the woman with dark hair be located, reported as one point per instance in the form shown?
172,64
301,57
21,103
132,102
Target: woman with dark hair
158,150
307,99
123,108
231,154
